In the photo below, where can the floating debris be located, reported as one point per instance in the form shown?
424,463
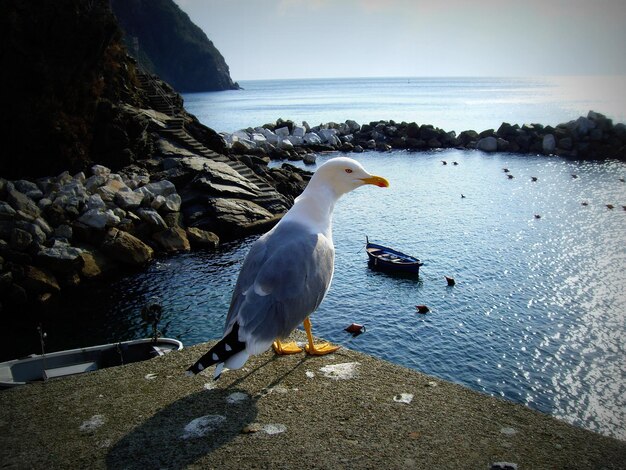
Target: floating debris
309,374
150,376
422,309
355,329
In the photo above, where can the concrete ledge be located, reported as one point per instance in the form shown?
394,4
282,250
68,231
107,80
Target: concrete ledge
347,410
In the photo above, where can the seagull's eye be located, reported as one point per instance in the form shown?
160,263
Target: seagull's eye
348,170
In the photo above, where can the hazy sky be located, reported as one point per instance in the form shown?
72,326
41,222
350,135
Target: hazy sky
386,38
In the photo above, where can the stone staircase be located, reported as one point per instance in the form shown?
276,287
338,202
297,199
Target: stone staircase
175,128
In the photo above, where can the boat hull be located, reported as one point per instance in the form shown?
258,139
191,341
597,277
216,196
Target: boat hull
383,258
76,361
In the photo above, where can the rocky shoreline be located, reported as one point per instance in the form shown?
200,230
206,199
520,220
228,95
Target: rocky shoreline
589,137
58,232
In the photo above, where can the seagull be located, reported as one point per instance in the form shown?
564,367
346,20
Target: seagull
287,273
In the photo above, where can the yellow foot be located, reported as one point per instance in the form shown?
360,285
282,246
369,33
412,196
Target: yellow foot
288,348
320,349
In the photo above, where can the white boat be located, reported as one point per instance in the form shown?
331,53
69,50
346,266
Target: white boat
40,367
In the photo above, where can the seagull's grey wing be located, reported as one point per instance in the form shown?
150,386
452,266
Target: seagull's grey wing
282,283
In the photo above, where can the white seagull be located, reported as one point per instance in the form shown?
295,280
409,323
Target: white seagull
287,273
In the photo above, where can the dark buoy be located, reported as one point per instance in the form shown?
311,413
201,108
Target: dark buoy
450,280
355,329
422,309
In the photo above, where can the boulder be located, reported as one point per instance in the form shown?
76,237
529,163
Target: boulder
172,240
548,144
29,188
282,132
129,200
163,188
202,238
38,281
487,144
95,264
22,203
6,211
20,239
152,218
312,138
61,257
98,219
99,170
108,191
232,215
172,203
353,126
298,131
126,248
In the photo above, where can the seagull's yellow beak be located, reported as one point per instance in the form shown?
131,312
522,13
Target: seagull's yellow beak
377,181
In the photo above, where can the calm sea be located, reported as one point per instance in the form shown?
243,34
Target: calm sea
449,103
538,314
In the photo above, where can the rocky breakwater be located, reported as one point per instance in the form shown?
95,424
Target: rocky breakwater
588,137
57,232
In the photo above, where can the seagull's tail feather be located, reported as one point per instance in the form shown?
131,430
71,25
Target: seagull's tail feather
227,347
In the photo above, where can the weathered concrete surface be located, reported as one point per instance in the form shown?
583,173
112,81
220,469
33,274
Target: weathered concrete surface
282,412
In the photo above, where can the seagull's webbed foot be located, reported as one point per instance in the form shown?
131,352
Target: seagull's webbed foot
316,349
320,349
287,348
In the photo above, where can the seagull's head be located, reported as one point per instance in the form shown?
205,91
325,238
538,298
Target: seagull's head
344,174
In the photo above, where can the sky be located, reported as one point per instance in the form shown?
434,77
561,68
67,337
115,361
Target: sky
273,39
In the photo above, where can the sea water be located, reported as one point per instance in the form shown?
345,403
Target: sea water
453,104
538,312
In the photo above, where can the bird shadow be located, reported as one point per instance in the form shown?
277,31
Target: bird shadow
172,439
169,439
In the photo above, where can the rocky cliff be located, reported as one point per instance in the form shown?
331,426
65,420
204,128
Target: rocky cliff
165,42
62,60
